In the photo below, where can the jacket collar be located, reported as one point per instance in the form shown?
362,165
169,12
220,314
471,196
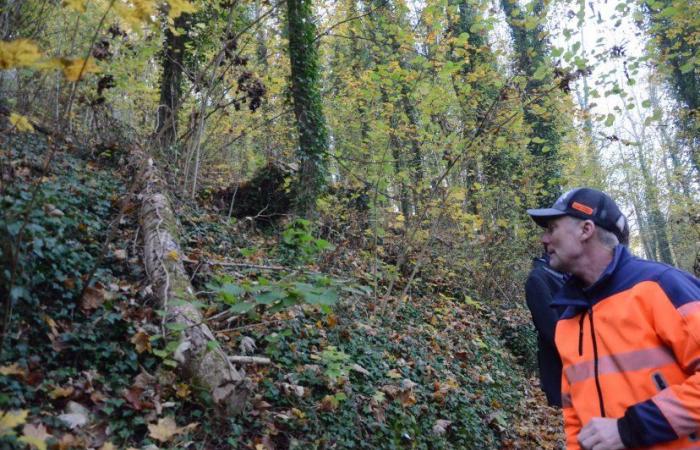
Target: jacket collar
574,294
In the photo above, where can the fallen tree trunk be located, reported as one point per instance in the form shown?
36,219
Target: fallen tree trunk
205,364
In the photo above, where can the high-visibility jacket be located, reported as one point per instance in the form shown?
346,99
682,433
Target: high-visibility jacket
630,349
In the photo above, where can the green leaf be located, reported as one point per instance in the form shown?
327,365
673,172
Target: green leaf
176,326
269,297
610,120
540,73
646,104
242,308
687,67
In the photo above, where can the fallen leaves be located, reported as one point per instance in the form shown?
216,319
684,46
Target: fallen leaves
166,429
141,341
61,392
35,435
75,415
11,419
440,426
93,297
13,369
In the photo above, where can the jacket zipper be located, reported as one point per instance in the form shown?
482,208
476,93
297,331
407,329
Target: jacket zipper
599,390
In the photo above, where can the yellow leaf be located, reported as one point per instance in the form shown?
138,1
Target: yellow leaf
18,53
60,392
20,122
164,431
12,369
77,5
75,69
35,435
136,12
178,7
183,390
393,373
173,255
108,446
10,419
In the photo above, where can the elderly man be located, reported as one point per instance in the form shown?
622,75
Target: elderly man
629,339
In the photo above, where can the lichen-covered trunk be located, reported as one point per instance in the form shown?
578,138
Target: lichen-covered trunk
207,365
311,124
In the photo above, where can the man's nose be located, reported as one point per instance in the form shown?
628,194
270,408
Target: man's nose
545,239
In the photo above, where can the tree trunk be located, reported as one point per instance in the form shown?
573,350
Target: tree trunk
311,124
532,52
171,83
209,367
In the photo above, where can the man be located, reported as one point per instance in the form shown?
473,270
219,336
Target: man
629,339
541,285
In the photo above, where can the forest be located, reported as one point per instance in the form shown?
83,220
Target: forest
262,224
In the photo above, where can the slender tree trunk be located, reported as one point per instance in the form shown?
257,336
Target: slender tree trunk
311,124
171,83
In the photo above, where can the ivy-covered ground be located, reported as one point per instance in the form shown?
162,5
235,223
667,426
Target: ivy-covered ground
85,363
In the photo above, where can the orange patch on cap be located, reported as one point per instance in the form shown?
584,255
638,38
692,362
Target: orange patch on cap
583,208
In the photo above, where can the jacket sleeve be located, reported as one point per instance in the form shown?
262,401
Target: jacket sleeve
572,423
675,411
538,298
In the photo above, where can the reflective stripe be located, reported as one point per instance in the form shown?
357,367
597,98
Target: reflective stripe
566,400
689,308
676,414
621,362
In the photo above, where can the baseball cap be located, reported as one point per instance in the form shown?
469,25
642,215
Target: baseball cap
586,204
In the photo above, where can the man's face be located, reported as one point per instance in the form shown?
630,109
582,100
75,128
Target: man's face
561,240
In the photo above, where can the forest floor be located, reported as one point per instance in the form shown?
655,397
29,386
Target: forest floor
87,362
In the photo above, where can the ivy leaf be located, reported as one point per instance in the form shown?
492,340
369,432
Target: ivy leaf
687,67
540,73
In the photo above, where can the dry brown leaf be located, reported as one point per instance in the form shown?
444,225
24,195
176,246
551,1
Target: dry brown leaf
164,430
133,396
93,297
142,342
67,442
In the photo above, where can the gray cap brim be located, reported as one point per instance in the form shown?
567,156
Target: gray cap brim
543,215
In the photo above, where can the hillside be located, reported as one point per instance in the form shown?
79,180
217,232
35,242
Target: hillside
89,363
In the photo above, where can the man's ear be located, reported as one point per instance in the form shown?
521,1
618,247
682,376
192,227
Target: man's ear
587,230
